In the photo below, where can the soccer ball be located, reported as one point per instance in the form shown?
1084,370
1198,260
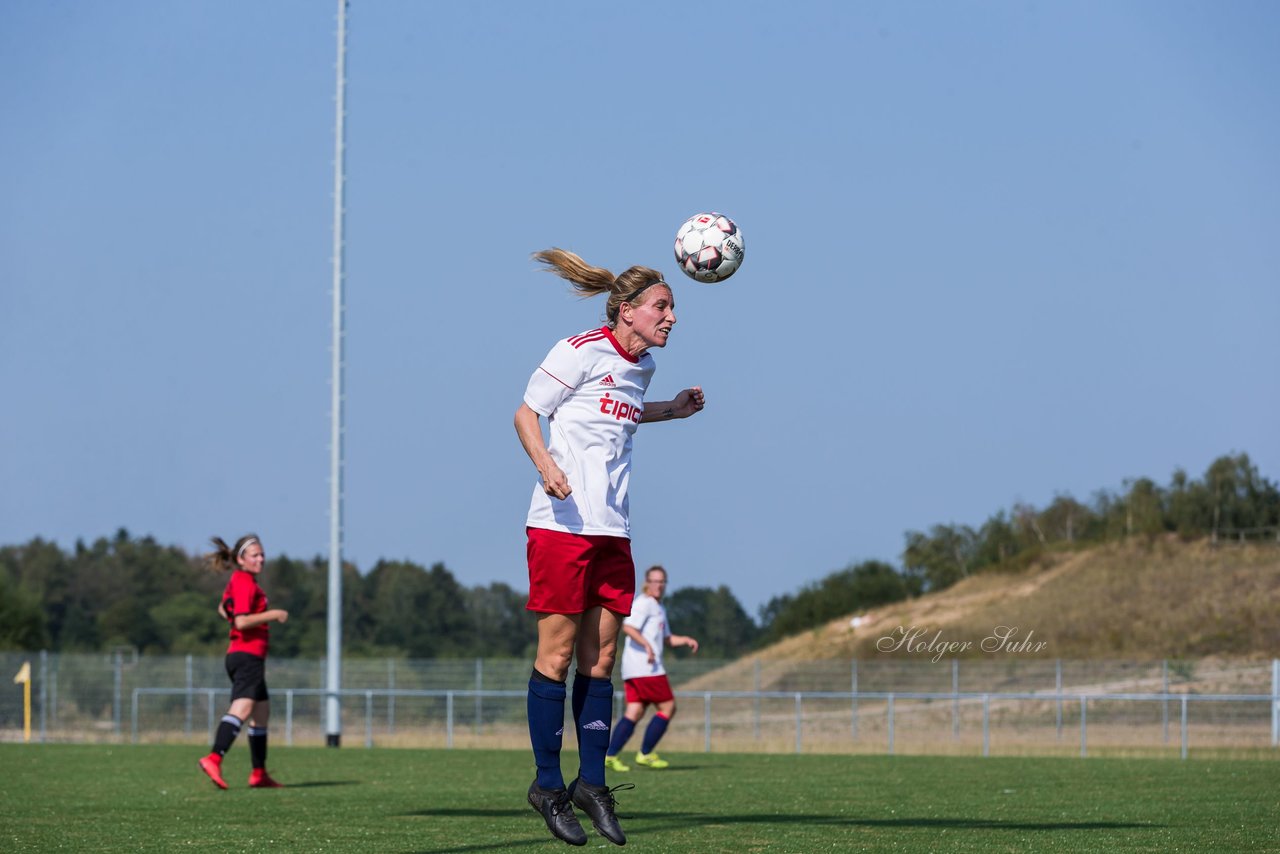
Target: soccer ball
709,247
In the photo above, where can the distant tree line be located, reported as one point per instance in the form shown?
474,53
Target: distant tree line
1232,500
158,599
126,591
135,592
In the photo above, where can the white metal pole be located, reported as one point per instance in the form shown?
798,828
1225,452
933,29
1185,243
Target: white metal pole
1275,701
853,688
333,728
1184,726
1058,686
44,692
1164,710
955,698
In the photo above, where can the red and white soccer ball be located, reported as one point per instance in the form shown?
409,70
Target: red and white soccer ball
709,247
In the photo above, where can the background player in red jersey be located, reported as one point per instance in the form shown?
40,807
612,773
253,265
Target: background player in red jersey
644,675
244,606
591,389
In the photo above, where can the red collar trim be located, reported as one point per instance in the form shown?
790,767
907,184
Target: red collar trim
614,341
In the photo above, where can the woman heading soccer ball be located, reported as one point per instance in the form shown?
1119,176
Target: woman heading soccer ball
244,606
591,390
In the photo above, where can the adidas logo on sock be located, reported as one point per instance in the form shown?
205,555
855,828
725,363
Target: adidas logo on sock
597,725
560,731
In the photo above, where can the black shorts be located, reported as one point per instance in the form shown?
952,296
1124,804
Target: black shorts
248,676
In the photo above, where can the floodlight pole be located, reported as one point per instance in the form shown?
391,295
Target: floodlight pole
333,682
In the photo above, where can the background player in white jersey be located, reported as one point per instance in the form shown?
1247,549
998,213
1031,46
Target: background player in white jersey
591,390
647,632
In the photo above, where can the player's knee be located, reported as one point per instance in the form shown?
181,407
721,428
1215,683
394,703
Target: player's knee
596,659
599,670
554,664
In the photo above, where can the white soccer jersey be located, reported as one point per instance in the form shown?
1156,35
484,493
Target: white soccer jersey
650,619
591,392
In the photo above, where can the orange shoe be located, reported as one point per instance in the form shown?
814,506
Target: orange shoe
212,765
260,779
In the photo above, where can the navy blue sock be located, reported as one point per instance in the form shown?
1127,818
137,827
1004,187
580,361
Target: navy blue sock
546,730
653,734
592,711
621,732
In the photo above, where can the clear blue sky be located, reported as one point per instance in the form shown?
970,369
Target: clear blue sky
995,251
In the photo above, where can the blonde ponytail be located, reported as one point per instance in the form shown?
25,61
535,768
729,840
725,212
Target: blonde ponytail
589,281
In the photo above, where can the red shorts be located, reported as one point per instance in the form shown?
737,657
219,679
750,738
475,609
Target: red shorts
571,573
649,689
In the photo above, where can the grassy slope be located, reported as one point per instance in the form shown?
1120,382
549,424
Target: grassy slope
1162,599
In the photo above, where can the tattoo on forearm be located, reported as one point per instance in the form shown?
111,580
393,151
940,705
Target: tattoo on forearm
669,412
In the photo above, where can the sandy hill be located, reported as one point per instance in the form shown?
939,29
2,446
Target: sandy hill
1140,601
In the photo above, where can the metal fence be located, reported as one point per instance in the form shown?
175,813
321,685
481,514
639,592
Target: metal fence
981,706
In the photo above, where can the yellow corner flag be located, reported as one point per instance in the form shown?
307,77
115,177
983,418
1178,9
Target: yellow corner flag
24,677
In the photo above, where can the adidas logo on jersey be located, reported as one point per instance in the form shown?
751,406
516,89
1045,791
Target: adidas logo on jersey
596,725
608,382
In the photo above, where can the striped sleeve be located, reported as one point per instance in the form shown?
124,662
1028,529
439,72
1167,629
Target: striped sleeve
562,371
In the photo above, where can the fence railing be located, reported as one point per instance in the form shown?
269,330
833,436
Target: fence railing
1241,536
1082,701
890,705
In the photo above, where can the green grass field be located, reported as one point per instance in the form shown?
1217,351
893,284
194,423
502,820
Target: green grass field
153,798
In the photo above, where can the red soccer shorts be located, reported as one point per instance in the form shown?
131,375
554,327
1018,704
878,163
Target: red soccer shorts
649,689
571,573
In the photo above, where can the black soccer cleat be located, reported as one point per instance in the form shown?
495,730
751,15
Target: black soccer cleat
598,803
554,807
